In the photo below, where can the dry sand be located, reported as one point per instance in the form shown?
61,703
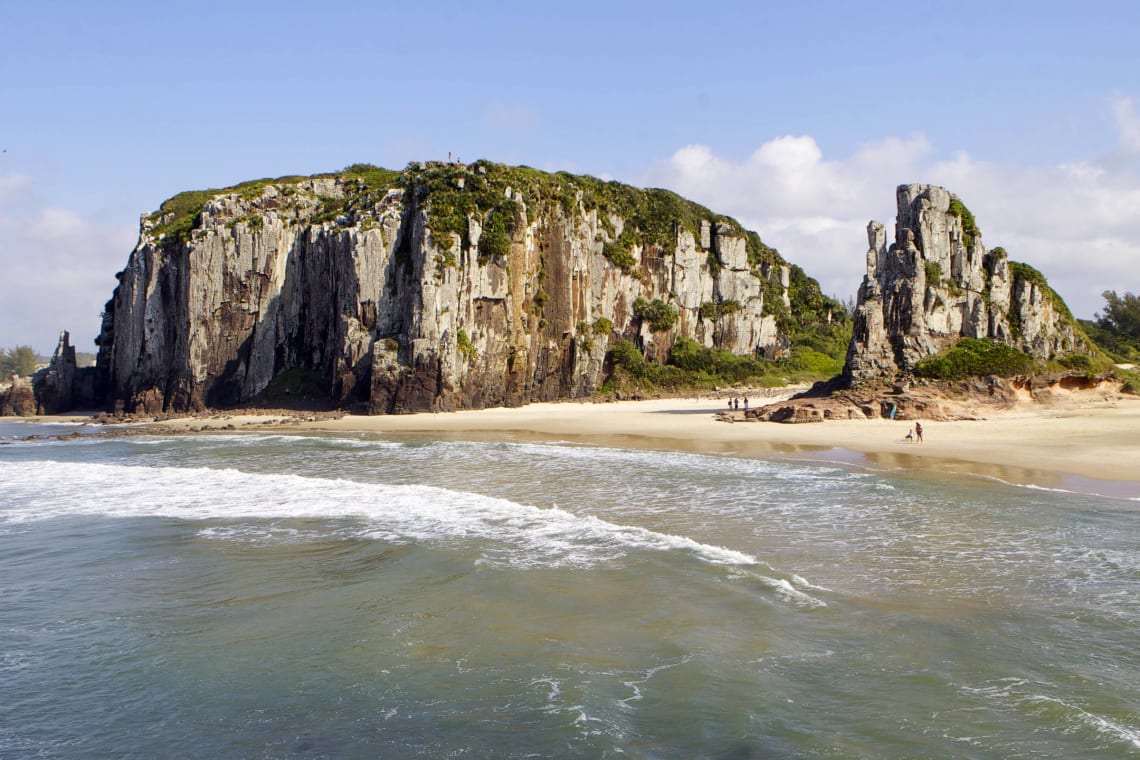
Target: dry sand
1069,444
1060,446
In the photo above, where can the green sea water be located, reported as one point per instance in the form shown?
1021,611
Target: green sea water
273,596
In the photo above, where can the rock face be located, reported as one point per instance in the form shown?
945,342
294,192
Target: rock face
937,283
442,287
17,399
64,385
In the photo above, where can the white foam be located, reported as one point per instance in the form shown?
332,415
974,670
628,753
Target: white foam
518,534
1104,485
252,439
792,594
804,583
1102,725
1020,692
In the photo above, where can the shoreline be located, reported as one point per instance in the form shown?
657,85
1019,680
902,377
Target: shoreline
1088,444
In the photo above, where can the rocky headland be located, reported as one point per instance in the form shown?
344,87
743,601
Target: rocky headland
442,287
450,286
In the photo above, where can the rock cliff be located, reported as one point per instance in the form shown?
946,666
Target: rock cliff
937,283
441,287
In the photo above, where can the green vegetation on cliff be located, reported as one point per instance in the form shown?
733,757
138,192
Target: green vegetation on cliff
1030,276
691,366
659,315
973,357
969,224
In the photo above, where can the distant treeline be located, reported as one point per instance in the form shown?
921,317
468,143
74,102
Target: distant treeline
23,361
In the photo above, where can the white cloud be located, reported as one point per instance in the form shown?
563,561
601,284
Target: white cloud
813,209
56,268
57,225
1127,123
1078,222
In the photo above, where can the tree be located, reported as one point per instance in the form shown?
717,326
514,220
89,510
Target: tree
1121,314
20,360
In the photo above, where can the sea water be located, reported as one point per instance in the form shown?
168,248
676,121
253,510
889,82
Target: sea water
264,596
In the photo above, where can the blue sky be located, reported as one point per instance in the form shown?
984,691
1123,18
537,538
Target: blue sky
798,119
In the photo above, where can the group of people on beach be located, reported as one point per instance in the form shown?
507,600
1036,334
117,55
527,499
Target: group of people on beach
734,404
914,435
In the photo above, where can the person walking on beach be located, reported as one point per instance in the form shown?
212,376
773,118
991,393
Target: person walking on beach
746,404
918,431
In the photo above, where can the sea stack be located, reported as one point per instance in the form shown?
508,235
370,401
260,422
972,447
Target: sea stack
937,283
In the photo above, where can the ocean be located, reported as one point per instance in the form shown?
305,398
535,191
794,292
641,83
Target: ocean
254,595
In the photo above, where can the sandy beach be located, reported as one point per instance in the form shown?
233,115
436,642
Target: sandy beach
1056,446
1047,446
1087,443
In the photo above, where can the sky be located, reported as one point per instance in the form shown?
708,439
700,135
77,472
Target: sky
798,119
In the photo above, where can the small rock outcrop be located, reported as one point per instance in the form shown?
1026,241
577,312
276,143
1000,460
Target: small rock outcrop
444,286
937,283
17,398
63,385
969,399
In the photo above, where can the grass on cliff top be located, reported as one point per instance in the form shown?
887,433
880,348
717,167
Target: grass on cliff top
969,224
652,217
453,191
1026,273
186,207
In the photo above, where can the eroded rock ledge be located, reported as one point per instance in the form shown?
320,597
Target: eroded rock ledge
940,401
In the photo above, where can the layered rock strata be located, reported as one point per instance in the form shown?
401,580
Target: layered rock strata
937,283
443,287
